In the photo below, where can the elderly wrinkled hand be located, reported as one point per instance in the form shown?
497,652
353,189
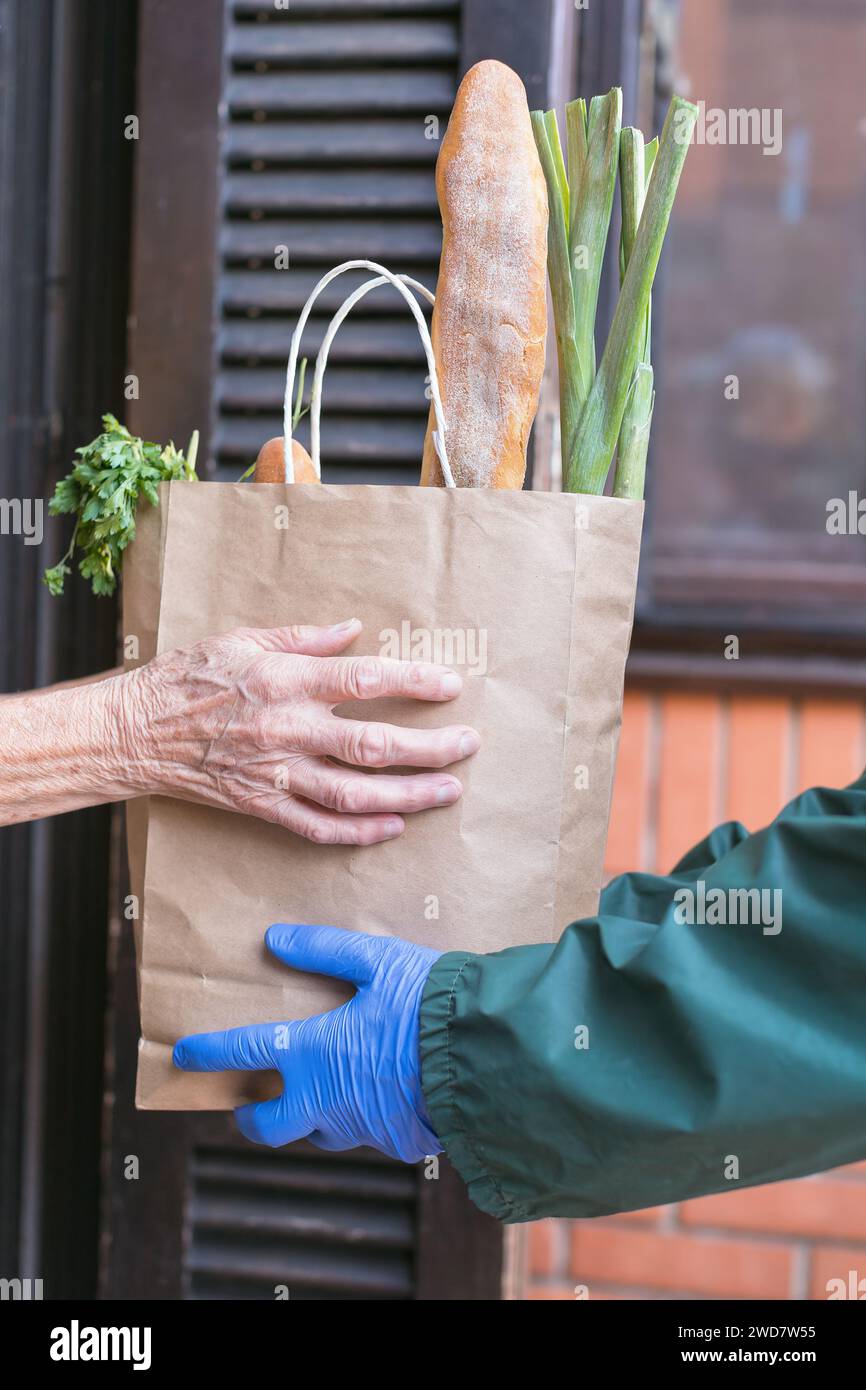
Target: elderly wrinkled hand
244,721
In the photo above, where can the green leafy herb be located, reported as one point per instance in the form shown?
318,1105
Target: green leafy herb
102,492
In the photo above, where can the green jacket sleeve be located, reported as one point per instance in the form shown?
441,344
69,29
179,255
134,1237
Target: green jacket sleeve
645,1058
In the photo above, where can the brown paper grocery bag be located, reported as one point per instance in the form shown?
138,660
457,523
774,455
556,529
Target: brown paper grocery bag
142,592
529,595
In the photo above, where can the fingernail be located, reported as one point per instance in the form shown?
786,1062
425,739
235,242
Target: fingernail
451,684
344,627
469,743
447,793
393,827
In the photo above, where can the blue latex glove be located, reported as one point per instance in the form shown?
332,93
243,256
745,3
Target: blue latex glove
351,1076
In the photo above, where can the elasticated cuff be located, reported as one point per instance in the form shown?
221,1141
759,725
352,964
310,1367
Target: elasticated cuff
440,1082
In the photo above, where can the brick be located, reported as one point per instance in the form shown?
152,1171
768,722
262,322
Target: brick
813,1207
836,1262
648,1217
541,1249
830,744
626,839
684,1263
560,1292
688,794
757,770
614,1295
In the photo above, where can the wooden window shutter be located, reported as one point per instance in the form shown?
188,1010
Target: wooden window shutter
327,156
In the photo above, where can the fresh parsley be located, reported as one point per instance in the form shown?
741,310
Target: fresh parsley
112,473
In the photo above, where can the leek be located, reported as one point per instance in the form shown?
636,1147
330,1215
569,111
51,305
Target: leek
607,408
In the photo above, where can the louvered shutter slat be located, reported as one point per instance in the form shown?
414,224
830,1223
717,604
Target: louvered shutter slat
223,1269
359,340
372,41
333,239
345,439
346,389
285,291
303,1215
312,191
343,1174
317,143
338,90
254,10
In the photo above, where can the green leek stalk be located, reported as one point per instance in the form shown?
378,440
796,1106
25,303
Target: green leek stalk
617,386
634,435
581,203
591,205
635,166
573,390
191,455
601,418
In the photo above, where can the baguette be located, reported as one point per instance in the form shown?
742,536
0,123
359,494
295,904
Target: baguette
271,468
490,316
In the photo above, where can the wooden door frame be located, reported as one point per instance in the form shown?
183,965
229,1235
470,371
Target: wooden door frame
172,349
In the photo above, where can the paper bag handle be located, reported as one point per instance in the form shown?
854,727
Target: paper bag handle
384,276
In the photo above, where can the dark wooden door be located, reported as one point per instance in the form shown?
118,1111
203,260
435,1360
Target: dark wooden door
303,128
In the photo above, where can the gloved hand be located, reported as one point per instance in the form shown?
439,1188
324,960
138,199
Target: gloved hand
351,1076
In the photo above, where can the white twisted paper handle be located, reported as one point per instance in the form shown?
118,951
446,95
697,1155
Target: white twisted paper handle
383,276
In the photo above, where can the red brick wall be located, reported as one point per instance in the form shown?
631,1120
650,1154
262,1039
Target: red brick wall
686,763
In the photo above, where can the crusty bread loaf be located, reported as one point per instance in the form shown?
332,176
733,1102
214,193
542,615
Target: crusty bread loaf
490,316
271,468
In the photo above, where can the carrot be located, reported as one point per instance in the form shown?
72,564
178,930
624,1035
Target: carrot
271,467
